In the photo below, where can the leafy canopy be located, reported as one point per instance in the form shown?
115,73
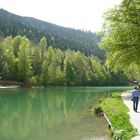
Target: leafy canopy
122,36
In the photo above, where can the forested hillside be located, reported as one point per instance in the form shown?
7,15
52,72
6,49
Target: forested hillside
57,36
41,64
36,52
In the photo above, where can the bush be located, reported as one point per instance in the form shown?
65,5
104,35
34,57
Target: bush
98,111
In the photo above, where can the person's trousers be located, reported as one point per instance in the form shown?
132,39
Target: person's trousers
135,103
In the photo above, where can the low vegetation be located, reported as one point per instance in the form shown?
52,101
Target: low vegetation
117,112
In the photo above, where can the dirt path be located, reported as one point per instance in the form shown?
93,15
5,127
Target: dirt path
134,116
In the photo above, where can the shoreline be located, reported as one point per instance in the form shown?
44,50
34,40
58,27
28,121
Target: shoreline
117,113
9,87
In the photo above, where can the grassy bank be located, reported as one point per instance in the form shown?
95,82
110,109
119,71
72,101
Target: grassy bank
117,113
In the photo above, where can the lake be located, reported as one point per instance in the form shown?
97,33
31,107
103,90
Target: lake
53,113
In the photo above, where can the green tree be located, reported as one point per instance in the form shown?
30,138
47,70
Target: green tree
1,58
24,61
44,73
43,46
80,66
9,61
97,71
69,68
122,35
55,58
17,40
36,63
69,72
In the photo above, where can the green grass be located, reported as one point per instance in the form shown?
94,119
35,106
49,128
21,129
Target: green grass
117,112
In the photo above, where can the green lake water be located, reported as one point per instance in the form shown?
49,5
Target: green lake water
52,114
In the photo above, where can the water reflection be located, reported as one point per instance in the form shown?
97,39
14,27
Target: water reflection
51,114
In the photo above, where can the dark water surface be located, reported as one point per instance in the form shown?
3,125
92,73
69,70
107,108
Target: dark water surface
52,114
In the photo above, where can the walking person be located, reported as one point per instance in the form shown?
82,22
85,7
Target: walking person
135,98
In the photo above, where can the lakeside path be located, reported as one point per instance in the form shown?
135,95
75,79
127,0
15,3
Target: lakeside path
134,116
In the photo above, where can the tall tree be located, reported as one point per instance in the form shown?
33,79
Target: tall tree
69,72
24,61
43,46
36,61
80,68
69,68
16,43
55,66
1,58
122,35
44,73
9,62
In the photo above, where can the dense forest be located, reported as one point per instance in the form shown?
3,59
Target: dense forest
41,64
57,36
36,52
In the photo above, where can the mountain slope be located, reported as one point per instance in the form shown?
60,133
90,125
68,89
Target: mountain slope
57,36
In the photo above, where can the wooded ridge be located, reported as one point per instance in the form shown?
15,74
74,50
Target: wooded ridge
57,36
